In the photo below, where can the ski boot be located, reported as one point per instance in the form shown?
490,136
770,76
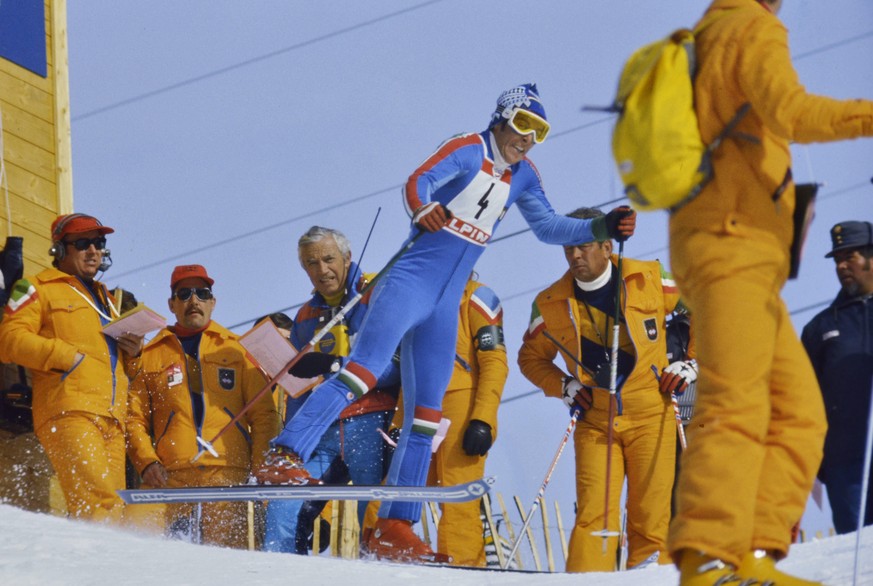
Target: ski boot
759,564
283,466
394,540
698,569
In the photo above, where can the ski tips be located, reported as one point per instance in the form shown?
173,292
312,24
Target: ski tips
206,446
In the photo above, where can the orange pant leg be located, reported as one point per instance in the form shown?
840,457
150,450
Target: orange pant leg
460,528
756,441
87,453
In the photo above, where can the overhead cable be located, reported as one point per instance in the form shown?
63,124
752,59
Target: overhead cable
246,63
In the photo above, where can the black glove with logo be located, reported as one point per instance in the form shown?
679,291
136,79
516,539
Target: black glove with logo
477,438
313,364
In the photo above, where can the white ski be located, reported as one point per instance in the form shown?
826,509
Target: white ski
321,492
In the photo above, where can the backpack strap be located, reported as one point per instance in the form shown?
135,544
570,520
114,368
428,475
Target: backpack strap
728,130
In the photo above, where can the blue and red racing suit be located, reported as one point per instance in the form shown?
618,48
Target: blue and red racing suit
416,303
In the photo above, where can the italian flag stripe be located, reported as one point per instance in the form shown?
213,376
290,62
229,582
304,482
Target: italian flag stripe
426,421
425,427
667,282
23,293
357,378
537,323
536,319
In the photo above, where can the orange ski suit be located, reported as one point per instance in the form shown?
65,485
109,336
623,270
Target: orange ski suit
78,408
162,427
480,371
759,421
644,430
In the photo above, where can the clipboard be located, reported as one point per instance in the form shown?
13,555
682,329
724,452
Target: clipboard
271,351
138,321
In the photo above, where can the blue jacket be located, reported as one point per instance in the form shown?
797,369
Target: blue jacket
313,315
467,174
839,341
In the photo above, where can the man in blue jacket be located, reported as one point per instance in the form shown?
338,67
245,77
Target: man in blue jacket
839,341
353,437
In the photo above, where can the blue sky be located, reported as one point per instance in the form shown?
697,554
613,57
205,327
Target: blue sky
218,132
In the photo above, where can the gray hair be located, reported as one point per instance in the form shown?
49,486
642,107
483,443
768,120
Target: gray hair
317,234
584,213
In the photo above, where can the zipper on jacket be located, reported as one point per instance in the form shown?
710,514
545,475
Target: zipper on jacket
240,427
166,428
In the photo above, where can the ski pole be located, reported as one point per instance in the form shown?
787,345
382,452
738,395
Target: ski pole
679,426
569,431
865,486
613,387
208,445
366,243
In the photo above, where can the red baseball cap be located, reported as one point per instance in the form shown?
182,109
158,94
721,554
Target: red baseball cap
189,272
77,224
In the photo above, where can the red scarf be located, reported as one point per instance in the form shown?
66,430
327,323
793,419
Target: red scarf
183,332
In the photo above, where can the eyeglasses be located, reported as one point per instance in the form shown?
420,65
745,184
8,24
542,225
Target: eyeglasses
524,122
185,293
85,243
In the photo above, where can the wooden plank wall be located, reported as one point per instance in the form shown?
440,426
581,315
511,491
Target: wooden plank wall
36,143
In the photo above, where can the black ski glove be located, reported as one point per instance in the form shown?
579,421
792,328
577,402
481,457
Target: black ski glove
477,438
313,364
619,224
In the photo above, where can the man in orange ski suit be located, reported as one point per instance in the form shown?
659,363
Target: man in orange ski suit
470,403
757,443
578,311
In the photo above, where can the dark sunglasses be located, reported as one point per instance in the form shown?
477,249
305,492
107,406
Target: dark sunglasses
85,243
185,293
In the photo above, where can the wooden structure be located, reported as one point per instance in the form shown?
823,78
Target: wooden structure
37,184
344,534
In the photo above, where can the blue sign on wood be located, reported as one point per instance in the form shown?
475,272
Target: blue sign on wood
22,34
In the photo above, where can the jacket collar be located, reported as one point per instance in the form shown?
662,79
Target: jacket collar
843,299
54,274
563,287
213,330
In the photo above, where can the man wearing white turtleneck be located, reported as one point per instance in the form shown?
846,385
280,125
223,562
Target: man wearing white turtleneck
578,311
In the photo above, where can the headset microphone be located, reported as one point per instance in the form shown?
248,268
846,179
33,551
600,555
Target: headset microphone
106,262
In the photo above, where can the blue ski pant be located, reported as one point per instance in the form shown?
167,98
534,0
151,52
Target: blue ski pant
358,442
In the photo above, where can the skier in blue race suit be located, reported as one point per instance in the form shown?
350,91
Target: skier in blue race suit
456,198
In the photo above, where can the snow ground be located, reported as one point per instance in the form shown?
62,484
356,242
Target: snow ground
38,549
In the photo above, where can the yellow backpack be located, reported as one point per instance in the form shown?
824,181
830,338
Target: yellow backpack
656,142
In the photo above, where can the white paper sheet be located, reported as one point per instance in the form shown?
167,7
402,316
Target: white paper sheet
139,321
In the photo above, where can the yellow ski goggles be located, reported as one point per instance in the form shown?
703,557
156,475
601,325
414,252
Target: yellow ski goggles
524,122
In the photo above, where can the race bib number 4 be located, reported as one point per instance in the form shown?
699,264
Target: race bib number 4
477,208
